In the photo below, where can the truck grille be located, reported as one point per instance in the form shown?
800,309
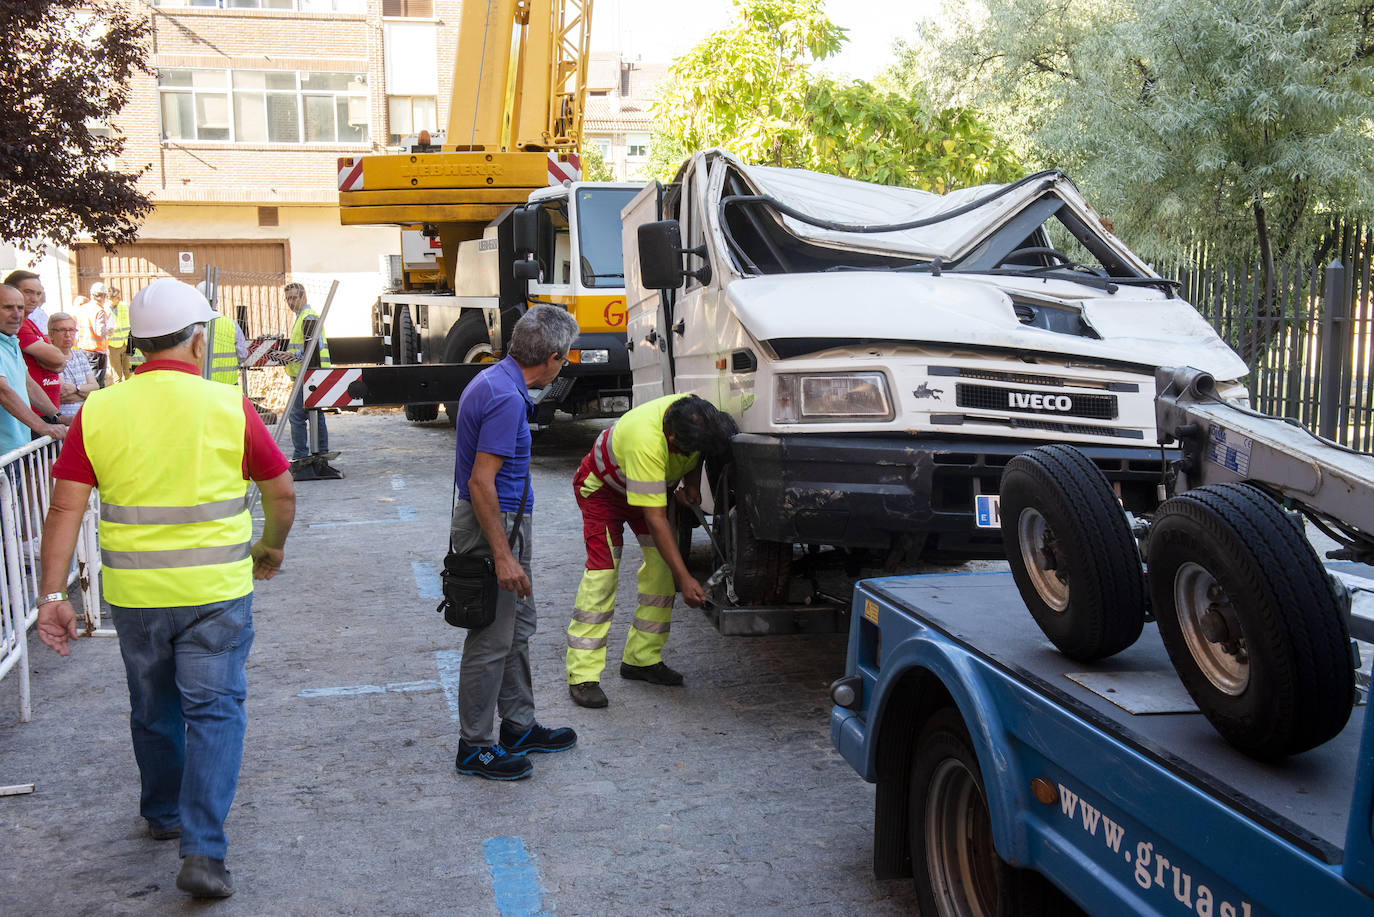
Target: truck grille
1041,403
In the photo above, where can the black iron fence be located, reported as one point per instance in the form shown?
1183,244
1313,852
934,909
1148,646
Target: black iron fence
1306,331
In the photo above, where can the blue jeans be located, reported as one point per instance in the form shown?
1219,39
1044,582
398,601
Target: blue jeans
187,684
300,431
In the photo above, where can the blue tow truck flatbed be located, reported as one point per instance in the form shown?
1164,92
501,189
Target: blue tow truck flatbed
1101,777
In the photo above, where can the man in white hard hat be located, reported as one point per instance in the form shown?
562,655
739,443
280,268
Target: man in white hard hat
171,454
93,330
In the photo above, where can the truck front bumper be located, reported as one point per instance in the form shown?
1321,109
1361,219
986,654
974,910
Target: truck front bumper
862,492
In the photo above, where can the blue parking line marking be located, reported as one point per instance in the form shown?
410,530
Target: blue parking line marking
426,580
514,880
407,513
449,662
398,482
329,525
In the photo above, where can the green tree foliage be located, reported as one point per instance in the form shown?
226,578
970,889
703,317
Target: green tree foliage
594,166
64,68
751,89
1241,123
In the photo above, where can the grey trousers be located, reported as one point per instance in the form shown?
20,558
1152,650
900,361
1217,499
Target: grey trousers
494,674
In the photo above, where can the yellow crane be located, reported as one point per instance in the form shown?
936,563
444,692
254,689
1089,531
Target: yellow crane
514,125
500,209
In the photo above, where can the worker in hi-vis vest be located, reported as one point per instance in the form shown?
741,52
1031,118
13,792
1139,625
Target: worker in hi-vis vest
308,453
626,479
171,455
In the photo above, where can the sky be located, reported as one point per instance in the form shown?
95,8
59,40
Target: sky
660,30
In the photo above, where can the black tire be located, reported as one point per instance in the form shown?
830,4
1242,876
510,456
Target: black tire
468,341
1250,620
957,869
762,569
1071,552
405,350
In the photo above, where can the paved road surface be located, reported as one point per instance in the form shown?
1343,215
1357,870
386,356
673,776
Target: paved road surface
723,797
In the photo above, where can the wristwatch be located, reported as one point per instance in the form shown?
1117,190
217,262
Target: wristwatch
49,598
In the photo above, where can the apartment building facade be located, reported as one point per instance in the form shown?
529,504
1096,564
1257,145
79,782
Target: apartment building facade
238,130
620,94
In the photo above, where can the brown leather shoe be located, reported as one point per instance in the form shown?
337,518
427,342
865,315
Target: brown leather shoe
588,694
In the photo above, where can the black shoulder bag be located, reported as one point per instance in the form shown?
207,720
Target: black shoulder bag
469,580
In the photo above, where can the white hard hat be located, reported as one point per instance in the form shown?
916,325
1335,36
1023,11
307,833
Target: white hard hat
97,288
167,305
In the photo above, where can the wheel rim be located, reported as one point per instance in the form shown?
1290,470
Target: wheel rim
1210,629
1039,554
479,353
962,861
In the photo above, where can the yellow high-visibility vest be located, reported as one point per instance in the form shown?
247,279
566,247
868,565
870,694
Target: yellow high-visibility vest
120,335
167,450
221,354
297,340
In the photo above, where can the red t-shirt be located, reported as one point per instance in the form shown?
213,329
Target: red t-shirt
49,380
262,460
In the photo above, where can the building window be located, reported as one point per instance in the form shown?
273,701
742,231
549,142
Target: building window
303,6
408,9
263,106
409,115
636,146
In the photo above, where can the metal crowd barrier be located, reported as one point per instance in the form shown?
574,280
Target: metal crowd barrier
25,494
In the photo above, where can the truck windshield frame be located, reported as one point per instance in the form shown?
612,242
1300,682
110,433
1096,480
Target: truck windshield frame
601,256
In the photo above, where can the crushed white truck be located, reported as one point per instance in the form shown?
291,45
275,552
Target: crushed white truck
886,352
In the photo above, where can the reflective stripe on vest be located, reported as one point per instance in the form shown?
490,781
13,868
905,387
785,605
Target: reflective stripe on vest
167,451
297,341
221,357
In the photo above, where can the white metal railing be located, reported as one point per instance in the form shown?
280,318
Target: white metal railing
25,494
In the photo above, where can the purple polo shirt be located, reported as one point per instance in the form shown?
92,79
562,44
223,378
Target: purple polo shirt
493,417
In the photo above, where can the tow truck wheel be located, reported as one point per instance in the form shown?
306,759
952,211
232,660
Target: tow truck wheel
1250,620
957,869
1071,552
468,341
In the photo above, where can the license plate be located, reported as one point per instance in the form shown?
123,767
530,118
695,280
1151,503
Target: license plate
986,511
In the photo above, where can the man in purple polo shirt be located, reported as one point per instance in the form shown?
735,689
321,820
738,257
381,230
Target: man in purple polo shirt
491,471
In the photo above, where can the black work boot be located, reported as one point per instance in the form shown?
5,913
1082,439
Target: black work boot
203,876
588,694
656,674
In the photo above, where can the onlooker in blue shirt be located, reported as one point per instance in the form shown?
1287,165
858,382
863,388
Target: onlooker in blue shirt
491,469
16,386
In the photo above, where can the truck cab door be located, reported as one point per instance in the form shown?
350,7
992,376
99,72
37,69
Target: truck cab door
646,310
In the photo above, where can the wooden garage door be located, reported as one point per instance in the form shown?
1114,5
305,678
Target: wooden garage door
251,275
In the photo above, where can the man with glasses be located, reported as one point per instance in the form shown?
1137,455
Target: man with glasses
307,464
76,378
93,331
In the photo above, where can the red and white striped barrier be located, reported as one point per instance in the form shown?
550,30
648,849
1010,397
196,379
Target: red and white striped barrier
564,167
350,173
328,388
261,349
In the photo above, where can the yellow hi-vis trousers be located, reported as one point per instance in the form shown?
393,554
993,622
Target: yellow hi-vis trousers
595,606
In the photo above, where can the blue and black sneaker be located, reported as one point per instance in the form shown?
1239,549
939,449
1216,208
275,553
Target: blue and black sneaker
490,761
536,738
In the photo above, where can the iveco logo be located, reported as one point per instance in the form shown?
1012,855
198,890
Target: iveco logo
1038,402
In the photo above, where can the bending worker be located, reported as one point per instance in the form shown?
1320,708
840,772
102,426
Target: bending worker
626,478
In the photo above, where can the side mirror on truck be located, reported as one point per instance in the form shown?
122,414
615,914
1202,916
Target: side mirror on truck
660,257
526,230
525,269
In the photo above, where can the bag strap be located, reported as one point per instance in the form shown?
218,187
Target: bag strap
515,526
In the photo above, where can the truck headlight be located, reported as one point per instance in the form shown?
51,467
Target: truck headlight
590,356
821,397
